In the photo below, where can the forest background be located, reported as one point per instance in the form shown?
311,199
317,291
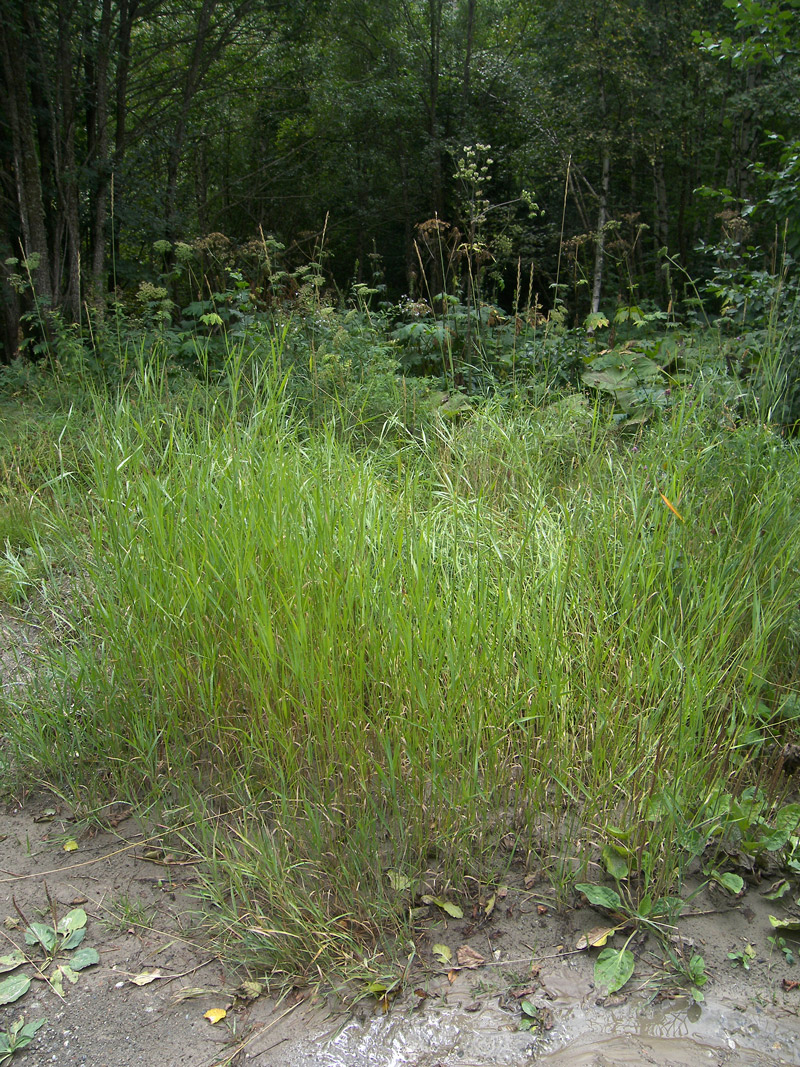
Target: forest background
626,154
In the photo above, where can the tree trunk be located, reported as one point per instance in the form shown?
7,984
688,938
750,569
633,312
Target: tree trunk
101,160
435,15
127,14
190,86
26,164
67,179
468,53
602,217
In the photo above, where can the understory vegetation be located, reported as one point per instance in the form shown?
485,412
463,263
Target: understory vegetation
363,643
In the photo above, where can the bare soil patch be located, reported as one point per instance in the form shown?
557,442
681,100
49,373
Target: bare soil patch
142,918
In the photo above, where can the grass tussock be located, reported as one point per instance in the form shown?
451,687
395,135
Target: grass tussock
477,646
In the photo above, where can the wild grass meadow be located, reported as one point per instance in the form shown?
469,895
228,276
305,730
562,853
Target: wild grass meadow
343,642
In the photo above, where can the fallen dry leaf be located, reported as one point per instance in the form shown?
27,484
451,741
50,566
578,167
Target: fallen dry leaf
145,978
215,1015
469,958
250,990
791,983
595,938
528,991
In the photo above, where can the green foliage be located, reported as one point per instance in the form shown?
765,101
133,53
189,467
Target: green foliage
18,1036
274,597
748,829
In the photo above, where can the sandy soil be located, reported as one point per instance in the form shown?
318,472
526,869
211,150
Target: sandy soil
143,918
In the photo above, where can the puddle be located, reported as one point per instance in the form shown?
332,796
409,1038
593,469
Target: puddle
681,1034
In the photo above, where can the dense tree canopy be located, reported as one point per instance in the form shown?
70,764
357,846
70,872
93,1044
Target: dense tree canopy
619,132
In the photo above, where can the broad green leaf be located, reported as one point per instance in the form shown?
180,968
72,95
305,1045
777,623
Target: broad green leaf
734,883
600,896
445,905
793,925
780,889
11,961
775,840
618,832
70,975
13,988
452,909
41,934
73,920
398,881
377,989
788,818
56,980
615,862
613,968
443,954
27,1033
596,320
697,970
74,939
84,957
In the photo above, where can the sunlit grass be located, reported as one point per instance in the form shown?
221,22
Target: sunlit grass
445,655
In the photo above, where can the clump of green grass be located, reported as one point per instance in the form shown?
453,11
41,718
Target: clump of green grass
343,662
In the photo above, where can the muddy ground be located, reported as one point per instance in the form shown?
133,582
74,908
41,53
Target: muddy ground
143,921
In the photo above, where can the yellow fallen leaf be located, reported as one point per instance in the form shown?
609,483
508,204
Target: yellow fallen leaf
596,938
215,1015
71,845
146,977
